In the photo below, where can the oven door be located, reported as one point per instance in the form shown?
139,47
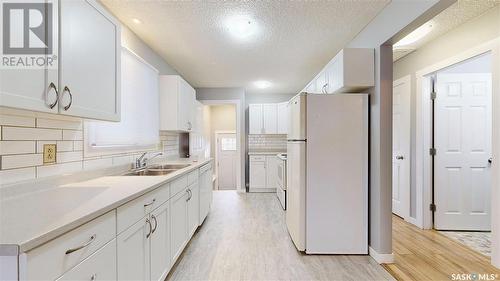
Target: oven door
281,174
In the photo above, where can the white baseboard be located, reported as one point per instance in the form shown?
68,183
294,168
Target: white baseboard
381,258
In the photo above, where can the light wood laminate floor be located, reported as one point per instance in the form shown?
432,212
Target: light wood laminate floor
245,238
429,255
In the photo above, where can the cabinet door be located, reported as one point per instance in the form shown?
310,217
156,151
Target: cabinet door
283,118
321,83
90,61
133,252
101,265
270,113
205,194
271,171
160,242
255,119
30,87
179,223
187,97
193,208
335,75
311,88
257,174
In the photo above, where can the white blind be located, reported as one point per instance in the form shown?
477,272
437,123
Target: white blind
139,125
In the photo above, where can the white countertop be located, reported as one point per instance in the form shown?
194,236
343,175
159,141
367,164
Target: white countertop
30,219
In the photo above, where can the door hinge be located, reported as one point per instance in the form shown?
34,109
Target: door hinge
432,151
433,95
432,207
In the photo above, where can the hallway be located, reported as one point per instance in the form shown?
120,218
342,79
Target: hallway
245,237
429,255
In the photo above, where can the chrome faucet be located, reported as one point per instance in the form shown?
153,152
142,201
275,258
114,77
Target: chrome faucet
142,161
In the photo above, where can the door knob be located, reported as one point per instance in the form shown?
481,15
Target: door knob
400,157
490,160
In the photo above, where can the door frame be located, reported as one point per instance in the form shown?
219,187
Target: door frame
216,137
406,196
423,140
240,141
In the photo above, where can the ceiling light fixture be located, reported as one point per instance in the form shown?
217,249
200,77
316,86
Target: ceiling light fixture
241,27
136,21
262,84
414,36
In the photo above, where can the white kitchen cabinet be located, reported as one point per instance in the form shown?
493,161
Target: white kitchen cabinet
283,118
263,173
177,103
160,242
85,35
321,83
270,118
90,61
206,191
179,222
99,266
193,208
256,118
133,252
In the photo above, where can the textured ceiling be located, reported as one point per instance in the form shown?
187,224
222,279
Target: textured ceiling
457,14
294,41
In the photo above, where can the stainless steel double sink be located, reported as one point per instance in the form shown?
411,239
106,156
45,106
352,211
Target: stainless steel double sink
157,170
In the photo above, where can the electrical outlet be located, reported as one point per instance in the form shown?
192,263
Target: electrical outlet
49,153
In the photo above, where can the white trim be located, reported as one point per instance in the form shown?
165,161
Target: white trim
125,48
381,258
240,173
216,146
406,196
423,126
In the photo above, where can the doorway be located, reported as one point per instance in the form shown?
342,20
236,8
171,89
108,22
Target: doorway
226,156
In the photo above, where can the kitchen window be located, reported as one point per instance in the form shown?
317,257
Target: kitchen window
139,125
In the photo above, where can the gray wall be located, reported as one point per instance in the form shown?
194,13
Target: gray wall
396,20
472,33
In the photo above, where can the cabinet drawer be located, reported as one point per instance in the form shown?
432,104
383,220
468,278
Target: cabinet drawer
52,259
178,185
131,212
257,158
206,167
99,266
192,177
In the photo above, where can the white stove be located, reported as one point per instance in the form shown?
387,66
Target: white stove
281,190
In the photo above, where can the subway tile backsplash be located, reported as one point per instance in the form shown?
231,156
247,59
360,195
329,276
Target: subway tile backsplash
21,147
267,142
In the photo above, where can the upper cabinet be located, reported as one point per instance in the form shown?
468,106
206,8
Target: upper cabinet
351,70
81,73
268,118
177,104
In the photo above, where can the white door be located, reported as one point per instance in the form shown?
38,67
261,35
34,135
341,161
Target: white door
462,179
133,256
255,122
270,113
226,160
401,147
160,242
89,56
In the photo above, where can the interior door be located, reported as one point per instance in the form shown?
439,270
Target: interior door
462,180
89,68
401,147
226,161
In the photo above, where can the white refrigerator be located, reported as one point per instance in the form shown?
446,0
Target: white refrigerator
327,173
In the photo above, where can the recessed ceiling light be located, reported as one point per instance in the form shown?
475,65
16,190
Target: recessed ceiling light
241,27
416,35
262,84
137,21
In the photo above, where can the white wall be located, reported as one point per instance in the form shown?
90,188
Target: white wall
475,32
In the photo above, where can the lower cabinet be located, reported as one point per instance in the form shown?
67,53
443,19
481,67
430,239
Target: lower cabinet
206,191
263,173
179,218
160,242
193,208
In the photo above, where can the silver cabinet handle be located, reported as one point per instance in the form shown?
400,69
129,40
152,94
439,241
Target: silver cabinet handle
189,125
400,157
92,239
53,86
189,195
490,160
66,89
150,228
150,203
156,223
93,277
324,88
